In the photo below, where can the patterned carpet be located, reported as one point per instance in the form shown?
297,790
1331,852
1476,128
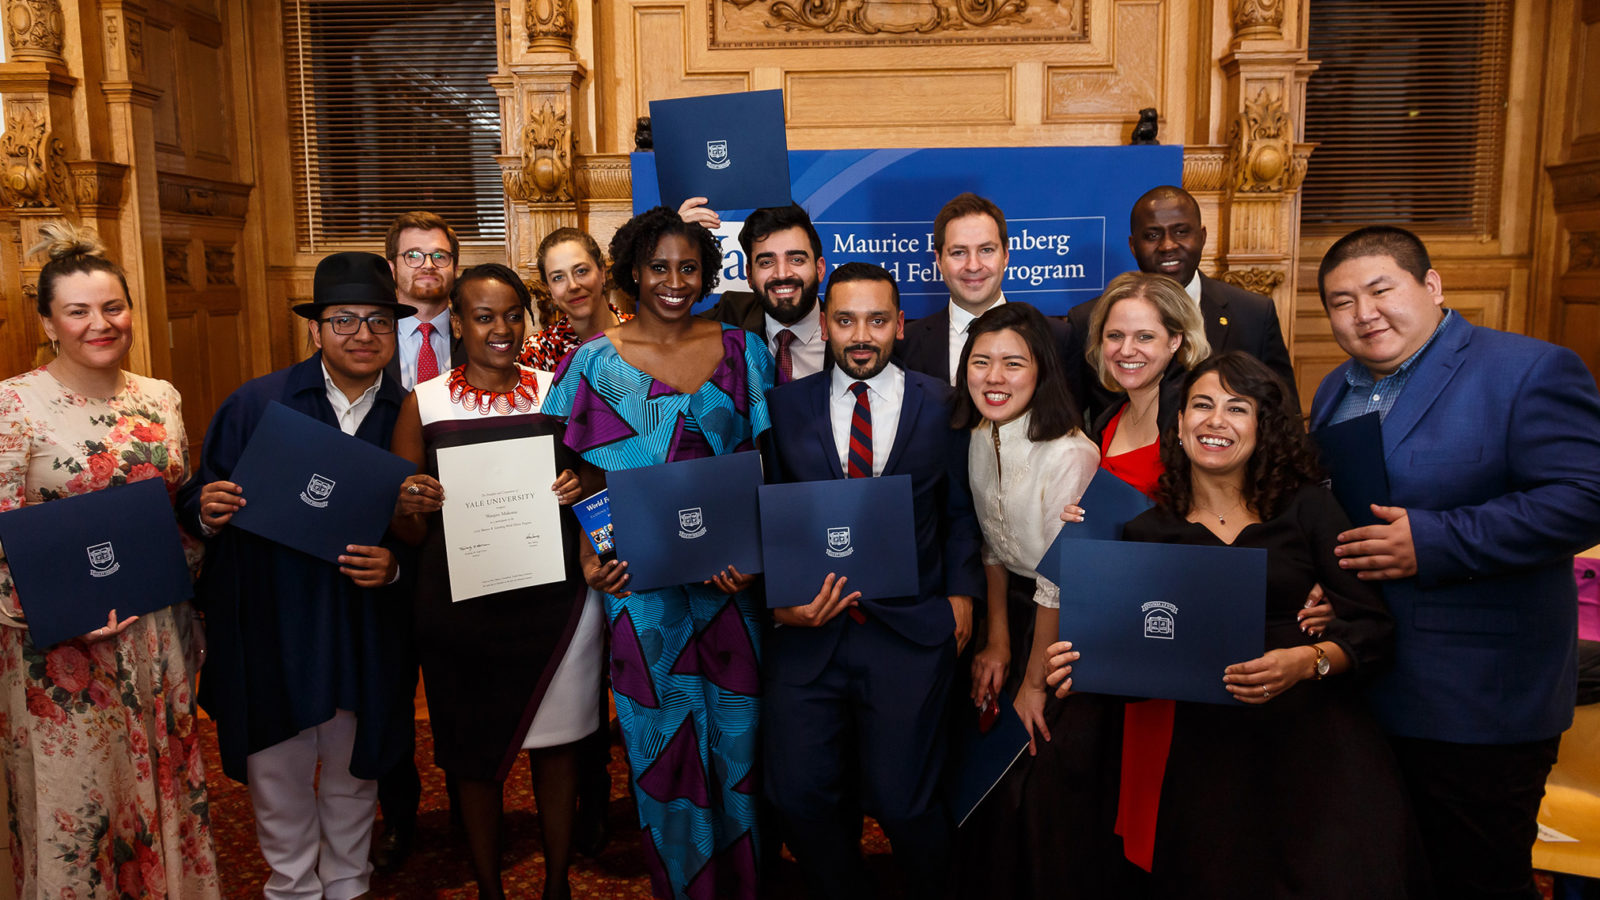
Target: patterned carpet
439,867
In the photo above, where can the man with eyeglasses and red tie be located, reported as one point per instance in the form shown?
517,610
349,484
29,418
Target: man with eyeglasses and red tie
424,255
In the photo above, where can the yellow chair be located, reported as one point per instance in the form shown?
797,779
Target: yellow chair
1572,800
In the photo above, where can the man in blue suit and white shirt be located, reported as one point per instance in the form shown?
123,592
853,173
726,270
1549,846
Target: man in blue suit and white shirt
855,689
1492,448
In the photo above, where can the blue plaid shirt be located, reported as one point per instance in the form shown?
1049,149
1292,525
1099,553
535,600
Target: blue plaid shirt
1368,394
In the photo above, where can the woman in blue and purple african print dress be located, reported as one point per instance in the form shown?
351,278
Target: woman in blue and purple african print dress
667,386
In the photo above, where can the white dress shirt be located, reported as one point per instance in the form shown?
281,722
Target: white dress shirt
408,343
1193,289
885,391
1019,501
808,350
350,414
960,321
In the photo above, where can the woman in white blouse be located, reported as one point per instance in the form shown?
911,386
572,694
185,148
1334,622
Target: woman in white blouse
1048,824
1028,457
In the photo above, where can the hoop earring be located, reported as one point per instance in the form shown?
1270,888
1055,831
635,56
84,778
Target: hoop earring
55,347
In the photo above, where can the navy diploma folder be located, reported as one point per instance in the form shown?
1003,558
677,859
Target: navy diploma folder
1108,504
310,486
728,148
981,758
75,559
860,528
684,522
1352,454
1162,620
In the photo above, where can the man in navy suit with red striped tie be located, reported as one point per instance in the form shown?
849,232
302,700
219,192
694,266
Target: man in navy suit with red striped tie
855,690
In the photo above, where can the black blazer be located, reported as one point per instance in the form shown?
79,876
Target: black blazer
742,309
1168,404
926,347
1235,319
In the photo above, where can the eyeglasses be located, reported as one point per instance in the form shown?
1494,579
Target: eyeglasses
413,258
352,324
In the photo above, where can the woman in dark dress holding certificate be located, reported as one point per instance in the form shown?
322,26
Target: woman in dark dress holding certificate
1291,791
99,741
515,669
665,386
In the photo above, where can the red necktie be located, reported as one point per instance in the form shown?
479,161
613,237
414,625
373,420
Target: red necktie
785,356
427,363
859,455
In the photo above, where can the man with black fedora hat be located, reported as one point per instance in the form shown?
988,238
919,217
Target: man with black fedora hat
304,655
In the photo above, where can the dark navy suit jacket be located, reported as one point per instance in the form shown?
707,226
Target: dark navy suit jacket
801,448
926,347
1494,449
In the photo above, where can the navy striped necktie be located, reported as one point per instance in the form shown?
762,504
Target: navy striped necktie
860,455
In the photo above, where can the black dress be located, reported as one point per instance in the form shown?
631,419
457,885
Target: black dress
1298,797
487,662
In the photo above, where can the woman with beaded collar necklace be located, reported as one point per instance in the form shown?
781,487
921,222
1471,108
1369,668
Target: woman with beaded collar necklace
517,669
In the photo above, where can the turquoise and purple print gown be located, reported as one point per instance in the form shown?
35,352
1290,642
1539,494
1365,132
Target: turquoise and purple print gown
685,661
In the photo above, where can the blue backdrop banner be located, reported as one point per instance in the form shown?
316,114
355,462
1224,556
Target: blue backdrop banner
1066,213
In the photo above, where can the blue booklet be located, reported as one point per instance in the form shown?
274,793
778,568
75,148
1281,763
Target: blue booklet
684,522
860,528
981,756
594,517
1352,454
74,560
310,486
1108,504
1162,620
728,148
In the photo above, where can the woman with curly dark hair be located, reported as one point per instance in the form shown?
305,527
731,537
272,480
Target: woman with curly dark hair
1236,818
664,386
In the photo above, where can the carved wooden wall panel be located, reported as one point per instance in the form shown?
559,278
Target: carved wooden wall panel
866,73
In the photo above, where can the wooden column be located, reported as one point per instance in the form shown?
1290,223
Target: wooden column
1264,161
538,84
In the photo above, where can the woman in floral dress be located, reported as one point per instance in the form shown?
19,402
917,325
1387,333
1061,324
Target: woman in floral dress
98,737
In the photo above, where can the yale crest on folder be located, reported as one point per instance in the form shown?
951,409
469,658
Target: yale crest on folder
317,491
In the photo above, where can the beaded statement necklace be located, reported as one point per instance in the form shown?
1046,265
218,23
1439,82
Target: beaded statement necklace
522,398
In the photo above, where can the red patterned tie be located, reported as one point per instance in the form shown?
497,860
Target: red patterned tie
859,455
427,363
785,356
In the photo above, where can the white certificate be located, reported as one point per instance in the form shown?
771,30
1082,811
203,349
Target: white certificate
502,524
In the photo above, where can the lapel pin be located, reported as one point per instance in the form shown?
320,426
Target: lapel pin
1223,320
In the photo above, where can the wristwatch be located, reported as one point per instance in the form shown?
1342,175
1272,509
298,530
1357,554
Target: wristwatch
1322,665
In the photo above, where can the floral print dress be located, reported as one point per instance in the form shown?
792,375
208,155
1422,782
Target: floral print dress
98,740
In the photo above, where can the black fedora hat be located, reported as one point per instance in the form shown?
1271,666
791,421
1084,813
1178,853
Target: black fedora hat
357,278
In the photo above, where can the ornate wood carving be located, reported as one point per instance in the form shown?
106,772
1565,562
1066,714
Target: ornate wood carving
175,263
183,195
1261,156
219,265
838,23
1255,279
97,185
34,29
33,172
1576,184
544,174
607,177
1204,168
550,24
1254,19
1583,251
